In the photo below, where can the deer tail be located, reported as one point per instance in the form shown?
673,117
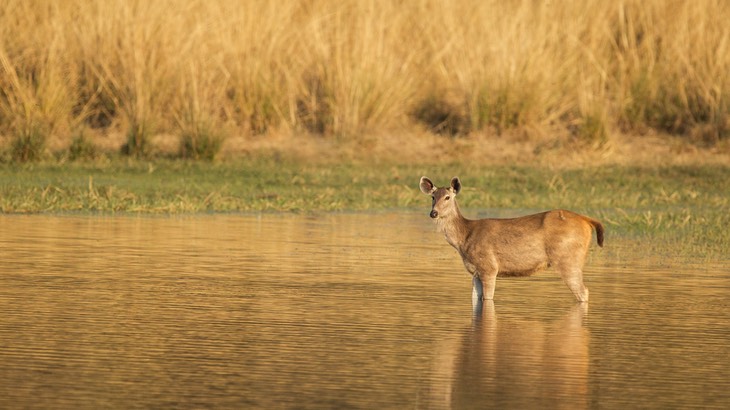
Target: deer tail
599,230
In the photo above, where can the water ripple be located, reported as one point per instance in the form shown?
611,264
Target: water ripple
338,311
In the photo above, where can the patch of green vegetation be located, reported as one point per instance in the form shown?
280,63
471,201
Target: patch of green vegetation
29,144
200,141
82,148
441,115
685,207
139,137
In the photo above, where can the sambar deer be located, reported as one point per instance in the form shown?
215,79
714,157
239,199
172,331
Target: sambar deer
514,247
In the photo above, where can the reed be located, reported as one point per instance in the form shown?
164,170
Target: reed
349,68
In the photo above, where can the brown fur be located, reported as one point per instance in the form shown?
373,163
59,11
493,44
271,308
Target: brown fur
517,246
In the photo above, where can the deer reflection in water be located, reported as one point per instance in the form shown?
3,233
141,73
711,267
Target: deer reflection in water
513,363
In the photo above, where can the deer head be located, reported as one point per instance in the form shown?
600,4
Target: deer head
443,203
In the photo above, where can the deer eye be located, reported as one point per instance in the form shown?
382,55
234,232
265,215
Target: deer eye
447,198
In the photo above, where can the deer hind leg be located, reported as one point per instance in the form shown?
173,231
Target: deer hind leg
569,259
573,277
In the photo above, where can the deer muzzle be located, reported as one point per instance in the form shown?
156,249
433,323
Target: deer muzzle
434,214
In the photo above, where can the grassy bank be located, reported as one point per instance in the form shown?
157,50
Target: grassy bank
683,206
71,70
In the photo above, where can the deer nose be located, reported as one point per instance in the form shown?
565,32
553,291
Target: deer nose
434,214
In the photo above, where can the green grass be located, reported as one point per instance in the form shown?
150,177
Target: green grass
682,209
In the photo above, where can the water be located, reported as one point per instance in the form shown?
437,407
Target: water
340,311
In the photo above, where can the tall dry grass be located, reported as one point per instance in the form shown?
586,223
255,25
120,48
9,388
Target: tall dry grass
206,69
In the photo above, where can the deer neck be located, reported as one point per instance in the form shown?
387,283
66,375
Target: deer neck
454,228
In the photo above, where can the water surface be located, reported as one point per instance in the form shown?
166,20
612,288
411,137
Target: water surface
340,311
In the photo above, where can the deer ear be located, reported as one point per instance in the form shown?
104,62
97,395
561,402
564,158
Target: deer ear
455,185
427,186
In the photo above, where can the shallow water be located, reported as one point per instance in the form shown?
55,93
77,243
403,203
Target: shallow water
340,311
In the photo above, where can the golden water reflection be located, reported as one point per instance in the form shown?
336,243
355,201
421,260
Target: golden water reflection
339,311
494,360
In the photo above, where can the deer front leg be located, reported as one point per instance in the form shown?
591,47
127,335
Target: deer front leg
483,266
477,291
484,280
488,279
